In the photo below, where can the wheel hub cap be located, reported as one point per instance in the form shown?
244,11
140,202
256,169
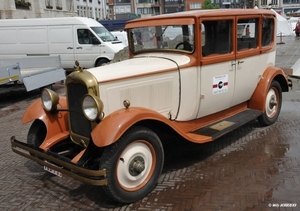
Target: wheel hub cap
272,103
136,166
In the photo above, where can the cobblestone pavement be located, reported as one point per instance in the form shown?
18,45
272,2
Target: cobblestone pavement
251,168
287,51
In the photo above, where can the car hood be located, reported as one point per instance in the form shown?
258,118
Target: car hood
140,65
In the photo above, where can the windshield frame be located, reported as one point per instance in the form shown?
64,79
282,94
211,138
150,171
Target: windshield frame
167,37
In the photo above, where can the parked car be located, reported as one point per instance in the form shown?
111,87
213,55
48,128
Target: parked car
203,83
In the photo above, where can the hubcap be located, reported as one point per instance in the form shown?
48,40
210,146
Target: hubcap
136,166
271,103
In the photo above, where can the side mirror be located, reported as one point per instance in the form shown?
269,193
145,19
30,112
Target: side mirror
95,41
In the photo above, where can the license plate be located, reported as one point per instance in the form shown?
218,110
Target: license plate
52,171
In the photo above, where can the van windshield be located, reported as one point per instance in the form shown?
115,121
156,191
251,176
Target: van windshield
104,34
168,37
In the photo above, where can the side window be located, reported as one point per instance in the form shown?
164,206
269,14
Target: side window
247,30
216,37
84,36
267,31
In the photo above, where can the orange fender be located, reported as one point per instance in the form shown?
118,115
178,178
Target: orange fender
110,129
258,99
56,123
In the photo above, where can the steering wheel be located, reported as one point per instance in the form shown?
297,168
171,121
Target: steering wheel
186,46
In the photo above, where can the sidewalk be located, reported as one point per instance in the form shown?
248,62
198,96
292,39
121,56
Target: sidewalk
287,51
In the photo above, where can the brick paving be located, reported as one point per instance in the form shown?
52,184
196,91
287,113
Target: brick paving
251,168
245,170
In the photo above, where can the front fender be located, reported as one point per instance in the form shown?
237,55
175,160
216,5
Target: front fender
258,99
56,123
110,129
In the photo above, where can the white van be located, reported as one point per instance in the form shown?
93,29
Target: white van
73,38
121,36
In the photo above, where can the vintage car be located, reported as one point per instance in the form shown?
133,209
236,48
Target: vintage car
202,79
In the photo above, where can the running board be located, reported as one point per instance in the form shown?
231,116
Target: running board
217,129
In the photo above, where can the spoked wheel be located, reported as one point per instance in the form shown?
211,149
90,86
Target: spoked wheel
272,105
133,165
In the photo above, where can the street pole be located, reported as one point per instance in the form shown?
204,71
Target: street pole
115,10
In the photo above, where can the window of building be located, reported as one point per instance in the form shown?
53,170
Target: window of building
144,10
195,6
264,2
144,1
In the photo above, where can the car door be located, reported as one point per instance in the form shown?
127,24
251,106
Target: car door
248,62
217,72
86,52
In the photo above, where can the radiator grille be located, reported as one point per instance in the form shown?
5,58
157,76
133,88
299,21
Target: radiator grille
79,124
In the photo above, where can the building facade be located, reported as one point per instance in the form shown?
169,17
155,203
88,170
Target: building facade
148,7
13,9
123,9
96,9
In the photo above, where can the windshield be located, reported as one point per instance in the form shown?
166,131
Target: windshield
170,38
104,34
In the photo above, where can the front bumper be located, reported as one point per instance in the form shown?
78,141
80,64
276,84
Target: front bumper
50,160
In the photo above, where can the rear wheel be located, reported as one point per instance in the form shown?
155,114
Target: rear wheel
272,105
133,165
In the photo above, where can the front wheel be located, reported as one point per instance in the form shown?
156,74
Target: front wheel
36,134
101,62
133,165
272,105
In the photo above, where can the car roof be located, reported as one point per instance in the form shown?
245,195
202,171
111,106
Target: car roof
200,13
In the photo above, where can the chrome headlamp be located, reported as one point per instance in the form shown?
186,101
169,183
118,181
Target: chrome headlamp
92,107
49,99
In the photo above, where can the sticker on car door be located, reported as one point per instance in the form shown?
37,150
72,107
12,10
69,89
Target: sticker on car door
220,84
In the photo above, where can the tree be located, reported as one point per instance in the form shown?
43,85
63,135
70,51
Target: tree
208,5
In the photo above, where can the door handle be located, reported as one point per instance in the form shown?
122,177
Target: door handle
79,48
235,63
69,47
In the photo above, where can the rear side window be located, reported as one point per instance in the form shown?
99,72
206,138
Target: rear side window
267,31
247,33
216,37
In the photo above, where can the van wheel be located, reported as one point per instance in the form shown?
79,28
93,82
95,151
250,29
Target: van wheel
101,62
133,165
272,105
36,134
185,46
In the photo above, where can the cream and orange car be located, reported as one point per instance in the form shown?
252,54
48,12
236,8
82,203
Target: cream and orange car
196,74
